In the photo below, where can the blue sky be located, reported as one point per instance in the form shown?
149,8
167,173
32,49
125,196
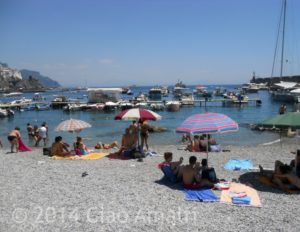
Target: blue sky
147,42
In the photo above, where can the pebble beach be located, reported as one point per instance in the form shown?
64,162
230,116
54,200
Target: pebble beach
42,194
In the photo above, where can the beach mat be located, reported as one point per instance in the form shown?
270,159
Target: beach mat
91,156
239,188
266,180
202,195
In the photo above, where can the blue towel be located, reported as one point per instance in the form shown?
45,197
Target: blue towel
241,200
238,165
168,172
203,195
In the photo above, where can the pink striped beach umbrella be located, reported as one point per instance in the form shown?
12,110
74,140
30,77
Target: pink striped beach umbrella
208,123
138,114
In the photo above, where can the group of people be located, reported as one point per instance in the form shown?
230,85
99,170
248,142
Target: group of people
193,175
198,143
38,133
129,142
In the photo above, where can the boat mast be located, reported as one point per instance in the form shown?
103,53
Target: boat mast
283,34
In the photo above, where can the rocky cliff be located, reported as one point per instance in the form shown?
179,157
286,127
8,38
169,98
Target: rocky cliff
13,80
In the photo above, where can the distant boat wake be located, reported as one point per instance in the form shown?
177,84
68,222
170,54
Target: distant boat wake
272,142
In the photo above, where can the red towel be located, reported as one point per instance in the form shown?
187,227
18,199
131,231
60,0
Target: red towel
23,147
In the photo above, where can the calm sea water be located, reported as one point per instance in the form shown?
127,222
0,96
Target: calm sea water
105,128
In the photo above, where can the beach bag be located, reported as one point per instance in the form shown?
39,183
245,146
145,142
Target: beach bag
47,151
209,174
215,148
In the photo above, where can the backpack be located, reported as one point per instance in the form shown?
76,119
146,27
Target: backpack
209,174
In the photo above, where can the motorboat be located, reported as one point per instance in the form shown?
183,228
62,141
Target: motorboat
12,94
157,106
125,105
155,94
43,107
6,113
38,97
187,99
109,106
201,91
173,106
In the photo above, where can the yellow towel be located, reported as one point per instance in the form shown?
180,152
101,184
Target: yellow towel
91,156
237,187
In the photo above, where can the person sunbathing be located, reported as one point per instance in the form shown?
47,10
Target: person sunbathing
59,147
106,146
80,148
175,166
191,175
128,143
194,145
285,176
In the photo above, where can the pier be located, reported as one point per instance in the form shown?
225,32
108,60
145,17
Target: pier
199,102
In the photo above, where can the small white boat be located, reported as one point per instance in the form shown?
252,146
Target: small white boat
173,106
110,106
187,99
6,113
125,105
142,105
12,94
157,106
38,97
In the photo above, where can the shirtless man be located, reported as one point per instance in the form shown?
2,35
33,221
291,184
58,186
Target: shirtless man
13,138
59,148
191,176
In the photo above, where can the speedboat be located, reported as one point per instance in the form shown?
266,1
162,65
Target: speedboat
173,106
6,113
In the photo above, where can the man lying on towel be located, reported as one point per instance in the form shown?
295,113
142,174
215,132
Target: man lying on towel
285,176
191,176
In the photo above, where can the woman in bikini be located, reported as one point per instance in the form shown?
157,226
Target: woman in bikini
144,134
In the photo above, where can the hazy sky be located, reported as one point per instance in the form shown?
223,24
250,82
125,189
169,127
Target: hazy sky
124,42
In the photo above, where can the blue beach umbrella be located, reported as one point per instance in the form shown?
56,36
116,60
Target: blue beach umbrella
208,123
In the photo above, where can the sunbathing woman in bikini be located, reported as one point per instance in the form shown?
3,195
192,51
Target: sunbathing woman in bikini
285,176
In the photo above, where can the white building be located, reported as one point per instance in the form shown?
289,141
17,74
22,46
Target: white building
102,95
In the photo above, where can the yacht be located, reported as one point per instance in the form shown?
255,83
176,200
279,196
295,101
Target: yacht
187,99
155,94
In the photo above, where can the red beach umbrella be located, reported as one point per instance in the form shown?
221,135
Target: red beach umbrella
138,114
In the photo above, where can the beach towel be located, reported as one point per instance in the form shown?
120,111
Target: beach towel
226,195
237,165
241,200
168,173
266,180
202,195
23,147
91,156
